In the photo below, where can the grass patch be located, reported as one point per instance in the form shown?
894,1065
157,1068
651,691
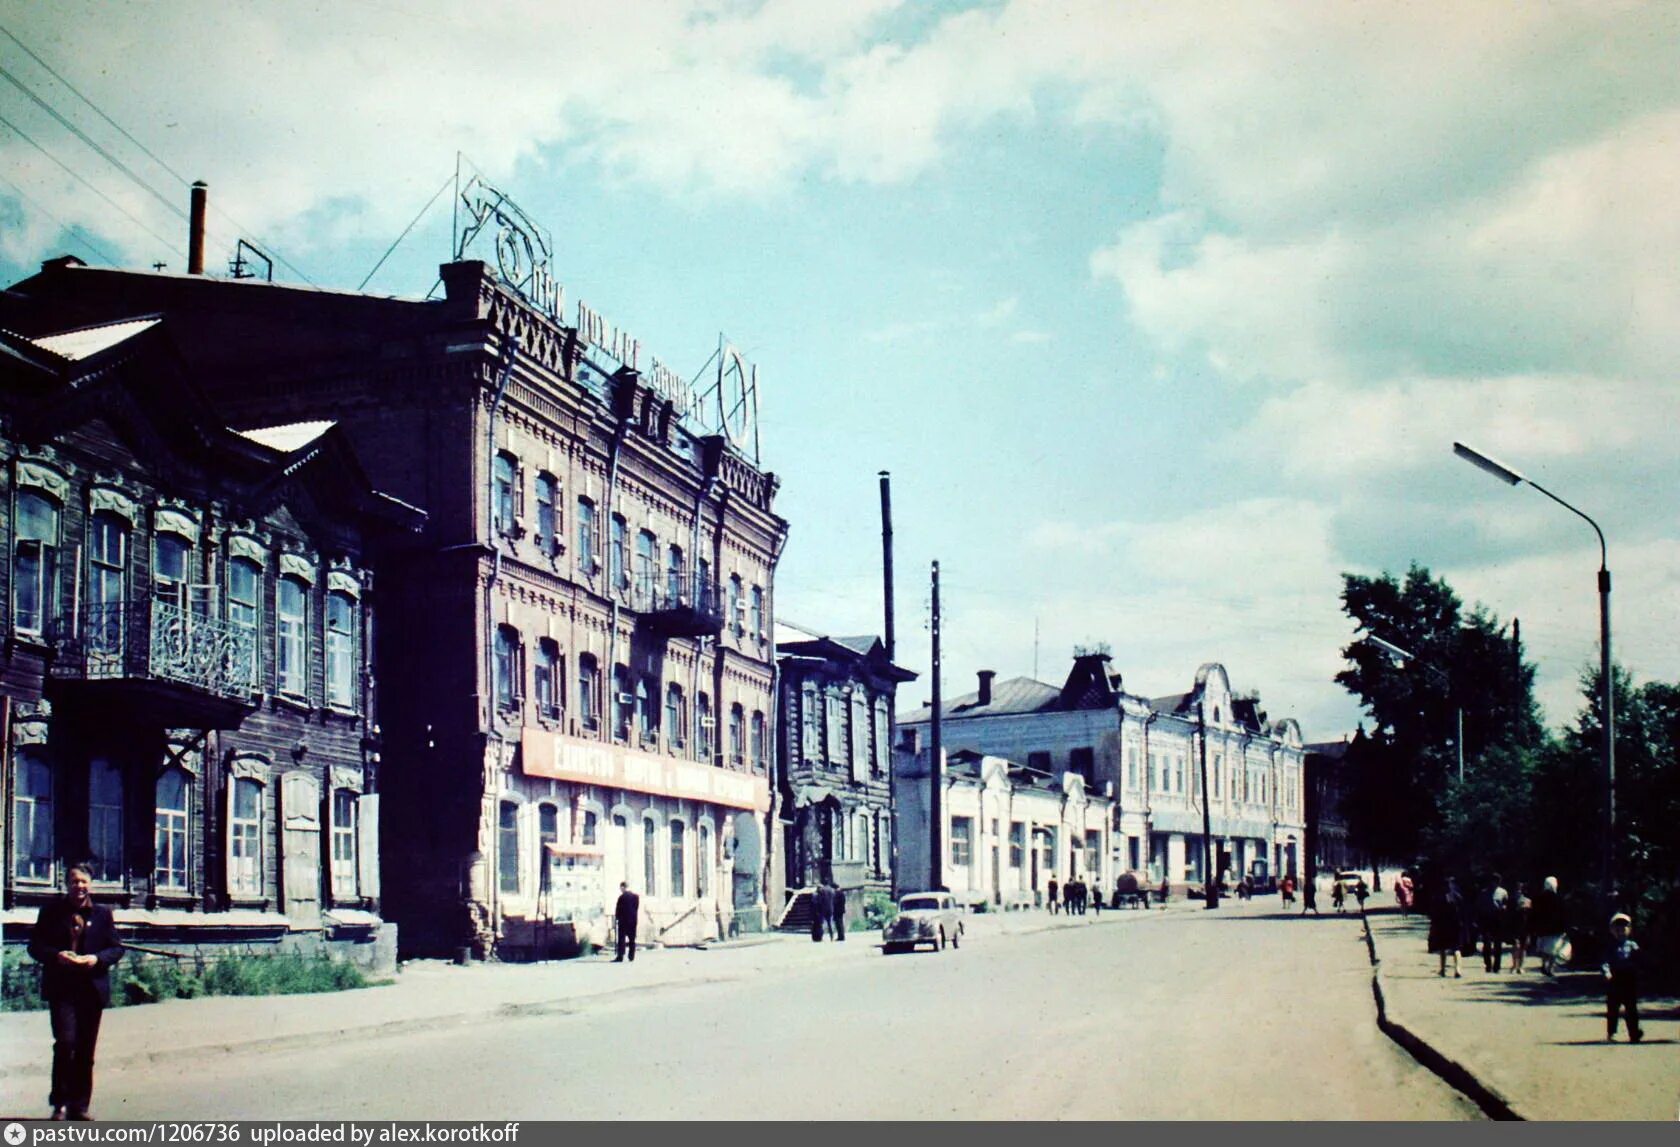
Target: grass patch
136,980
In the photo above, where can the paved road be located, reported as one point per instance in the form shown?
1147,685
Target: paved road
1233,1015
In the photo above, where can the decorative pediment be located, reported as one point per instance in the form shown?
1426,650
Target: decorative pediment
40,476
104,499
294,565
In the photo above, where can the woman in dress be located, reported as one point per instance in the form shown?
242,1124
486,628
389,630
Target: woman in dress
1546,921
1446,927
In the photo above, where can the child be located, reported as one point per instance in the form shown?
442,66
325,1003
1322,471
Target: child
1621,978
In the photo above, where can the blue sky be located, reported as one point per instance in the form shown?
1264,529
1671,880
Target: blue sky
1162,316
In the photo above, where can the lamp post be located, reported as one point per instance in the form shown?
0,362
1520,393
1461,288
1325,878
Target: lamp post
1210,877
1606,685
1395,650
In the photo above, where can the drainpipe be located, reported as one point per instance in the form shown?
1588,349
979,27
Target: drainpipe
619,433
510,351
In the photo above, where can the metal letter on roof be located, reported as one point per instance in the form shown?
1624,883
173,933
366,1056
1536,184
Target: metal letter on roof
523,249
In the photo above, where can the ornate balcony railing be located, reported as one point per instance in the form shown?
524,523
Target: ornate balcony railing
160,641
686,605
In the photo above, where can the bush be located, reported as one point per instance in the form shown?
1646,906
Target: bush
20,982
149,980
878,910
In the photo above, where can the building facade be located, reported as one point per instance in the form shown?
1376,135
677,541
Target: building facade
1327,785
1148,755
834,765
188,704
1006,831
576,656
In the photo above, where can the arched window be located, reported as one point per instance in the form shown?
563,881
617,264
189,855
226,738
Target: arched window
32,816
679,862
675,592
758,742
591,827
291,636
344,830
704,724
35,564
548,513
105,821
737,736
650,856
703,862
507,848
245,835
171,562
505,481
547,679
170,836
341,650
589,691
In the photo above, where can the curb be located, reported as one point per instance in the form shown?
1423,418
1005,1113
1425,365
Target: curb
1453,1073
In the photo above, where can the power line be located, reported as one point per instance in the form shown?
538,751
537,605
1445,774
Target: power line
406,230
21,134
70,229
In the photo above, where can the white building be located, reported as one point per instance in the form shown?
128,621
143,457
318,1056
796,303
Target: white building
1149,753
1006,830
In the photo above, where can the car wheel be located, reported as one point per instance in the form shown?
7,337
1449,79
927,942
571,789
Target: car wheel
956,937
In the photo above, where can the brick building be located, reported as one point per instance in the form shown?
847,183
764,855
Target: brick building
576,663
187,698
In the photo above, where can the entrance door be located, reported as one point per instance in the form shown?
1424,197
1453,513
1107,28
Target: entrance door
997,877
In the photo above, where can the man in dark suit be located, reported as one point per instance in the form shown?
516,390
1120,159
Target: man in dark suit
626,912
75,941
839,914
822,916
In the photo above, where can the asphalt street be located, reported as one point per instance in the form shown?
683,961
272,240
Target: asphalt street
1236,1015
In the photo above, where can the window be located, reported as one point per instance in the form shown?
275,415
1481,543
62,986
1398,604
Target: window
647,566
674,716
737,606
1157,777
620,556
504,481
290,635
589,690
243,593
34,564
1217,787
650,855
755,622
1178,774
675,592
737,736
883,841
758,740
507,848
548,514
170,836
703,579
1131,768
832,732
1017,844
170,562
1047,853
679,865
589,554
547,680
882,738
703,724
591,827
548,832
647,710
962,832
856,732
344,845
244,874
703,863
1093,854
341,650
107,585
105,821
1083,761
624,703
507,667
809,722
32,817
1039,761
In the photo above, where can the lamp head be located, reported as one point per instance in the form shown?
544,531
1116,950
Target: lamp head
1389,647
1482,462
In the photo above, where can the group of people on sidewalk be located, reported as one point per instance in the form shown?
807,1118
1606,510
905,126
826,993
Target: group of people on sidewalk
1501,919
828,912
1074,897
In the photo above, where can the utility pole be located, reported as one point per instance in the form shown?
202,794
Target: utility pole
936,766
891,645
887,559
1210,878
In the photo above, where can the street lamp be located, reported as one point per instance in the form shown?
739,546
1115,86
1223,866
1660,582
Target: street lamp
1395,650
1513,478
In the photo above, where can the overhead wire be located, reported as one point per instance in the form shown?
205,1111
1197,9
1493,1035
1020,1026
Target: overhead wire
74,230
406,230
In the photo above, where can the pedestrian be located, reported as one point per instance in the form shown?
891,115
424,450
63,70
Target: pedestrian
1546,919
839,916
1621,978
1287,890
1517,910
75,942
1050,901
822,914
1166,889
1360,892
1403,888
1338,895
1446,926
1097,898
1490,917
1309,896
626,912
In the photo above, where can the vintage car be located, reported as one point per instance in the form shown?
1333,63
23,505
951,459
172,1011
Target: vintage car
929,918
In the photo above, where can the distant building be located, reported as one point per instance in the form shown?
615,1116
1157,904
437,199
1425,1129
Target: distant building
1006,830
833,771
1147,755
1328,782
188,703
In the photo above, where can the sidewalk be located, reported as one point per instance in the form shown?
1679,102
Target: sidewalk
1536,1045
431,994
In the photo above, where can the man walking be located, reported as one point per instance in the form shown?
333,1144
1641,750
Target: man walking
1050,902
626,912
839,916
822,914
75,941
1491,918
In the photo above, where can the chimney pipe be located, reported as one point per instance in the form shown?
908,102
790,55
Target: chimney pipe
986,676
195,229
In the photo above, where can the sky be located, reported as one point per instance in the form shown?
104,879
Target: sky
1162,317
